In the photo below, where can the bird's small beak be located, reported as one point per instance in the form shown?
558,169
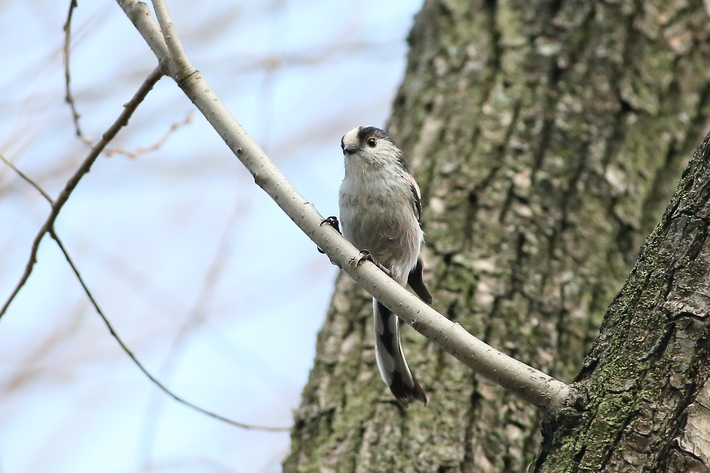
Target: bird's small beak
349,149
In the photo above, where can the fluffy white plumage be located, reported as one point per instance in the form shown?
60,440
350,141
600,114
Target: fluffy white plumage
379,212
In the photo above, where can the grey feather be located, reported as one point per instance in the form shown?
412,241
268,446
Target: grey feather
380,208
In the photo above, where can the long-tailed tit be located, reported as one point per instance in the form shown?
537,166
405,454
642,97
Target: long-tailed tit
380,207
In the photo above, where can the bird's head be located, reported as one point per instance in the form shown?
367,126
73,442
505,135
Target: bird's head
371,145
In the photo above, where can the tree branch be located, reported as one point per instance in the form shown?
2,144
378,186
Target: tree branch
155,146
71,184
180,67
138,363
27,179
139,14
111,330
69,98
525,381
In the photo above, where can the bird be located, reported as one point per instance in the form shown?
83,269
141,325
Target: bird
380,211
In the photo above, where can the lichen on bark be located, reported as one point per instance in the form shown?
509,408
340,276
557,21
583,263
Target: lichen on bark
648,373
547,137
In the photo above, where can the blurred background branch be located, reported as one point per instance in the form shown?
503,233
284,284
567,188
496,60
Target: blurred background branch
157,224
130,107
85,167
67,74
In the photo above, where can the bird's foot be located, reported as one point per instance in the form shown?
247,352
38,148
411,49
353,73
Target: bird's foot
365,255
333,222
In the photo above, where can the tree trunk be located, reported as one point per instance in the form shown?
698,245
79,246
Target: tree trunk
547,137
645,403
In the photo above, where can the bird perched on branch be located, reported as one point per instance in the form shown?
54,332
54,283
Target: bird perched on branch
380,207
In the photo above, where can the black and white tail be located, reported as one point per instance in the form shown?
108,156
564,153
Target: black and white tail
390,358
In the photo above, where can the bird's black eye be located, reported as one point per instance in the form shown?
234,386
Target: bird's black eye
371,142
342,144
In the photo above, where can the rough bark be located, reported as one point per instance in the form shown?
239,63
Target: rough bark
547,137
648,376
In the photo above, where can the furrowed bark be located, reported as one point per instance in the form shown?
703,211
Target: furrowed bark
547,138
648,375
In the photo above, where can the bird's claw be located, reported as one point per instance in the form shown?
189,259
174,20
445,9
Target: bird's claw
333,222
365,255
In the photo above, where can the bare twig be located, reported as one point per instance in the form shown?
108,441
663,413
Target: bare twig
139,14
69,98
138,363
71,184
178,64
155,146
125,348
525,381
26,178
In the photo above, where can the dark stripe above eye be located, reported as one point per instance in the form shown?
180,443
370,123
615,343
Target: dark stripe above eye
368,131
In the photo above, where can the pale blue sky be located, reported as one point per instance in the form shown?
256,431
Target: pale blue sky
147,232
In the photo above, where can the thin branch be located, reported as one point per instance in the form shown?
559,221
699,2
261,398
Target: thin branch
525,381
26,178
139,14
69,98
71,184
155,146
179,65
125,348
138,363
